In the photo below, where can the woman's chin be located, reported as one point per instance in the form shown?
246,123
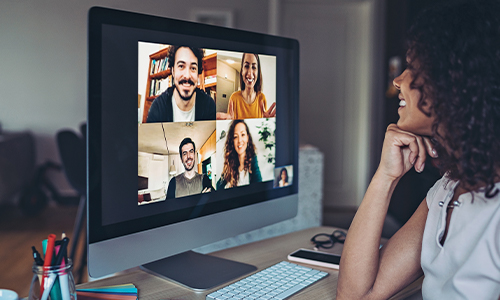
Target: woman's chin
403,126
414,129
249,88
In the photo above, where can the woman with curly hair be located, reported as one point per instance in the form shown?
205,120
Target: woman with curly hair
240,159
450,110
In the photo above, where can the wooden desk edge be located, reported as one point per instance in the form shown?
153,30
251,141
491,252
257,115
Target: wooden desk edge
261,253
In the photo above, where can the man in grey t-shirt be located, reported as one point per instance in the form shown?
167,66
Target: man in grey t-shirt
188,182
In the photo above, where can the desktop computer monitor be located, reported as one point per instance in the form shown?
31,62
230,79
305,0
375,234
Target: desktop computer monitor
192,138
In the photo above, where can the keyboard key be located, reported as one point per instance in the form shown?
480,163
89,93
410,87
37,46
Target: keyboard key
290,291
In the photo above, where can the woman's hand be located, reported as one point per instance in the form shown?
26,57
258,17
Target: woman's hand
271,112
367,272
403,150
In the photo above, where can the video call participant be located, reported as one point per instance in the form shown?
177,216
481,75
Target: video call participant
240,160
282,179
188,182
184,101
249,102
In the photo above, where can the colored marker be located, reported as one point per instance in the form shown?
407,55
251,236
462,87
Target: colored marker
44,246
48,259
50,282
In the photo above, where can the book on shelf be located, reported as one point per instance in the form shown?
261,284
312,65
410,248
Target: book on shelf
152,88
159,86
153,64
210,79
165,64
158,66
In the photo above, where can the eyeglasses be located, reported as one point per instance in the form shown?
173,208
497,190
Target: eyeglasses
326,241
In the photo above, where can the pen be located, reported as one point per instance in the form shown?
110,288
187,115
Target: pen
38,261
62,251
36,256
48,259
55,292
61,260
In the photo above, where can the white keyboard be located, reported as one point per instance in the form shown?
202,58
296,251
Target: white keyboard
275,282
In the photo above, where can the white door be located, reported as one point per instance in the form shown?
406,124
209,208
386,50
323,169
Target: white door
338,48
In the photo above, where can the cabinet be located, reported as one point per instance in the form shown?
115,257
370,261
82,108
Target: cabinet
209,75
207,150
159,78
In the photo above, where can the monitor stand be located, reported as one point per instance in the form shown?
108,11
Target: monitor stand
197,271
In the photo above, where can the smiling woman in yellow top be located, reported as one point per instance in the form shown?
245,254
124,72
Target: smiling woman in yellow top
249,102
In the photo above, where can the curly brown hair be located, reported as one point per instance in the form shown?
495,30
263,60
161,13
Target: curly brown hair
455,49
198,52
230,171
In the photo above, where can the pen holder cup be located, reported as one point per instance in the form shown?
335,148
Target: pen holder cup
58,282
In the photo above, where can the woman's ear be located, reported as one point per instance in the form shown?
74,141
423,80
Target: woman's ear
426,107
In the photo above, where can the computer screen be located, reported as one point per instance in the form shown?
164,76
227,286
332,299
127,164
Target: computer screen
192,136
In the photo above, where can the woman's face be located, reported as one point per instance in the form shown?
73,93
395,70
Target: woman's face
411,118
283,175
250,70
240,138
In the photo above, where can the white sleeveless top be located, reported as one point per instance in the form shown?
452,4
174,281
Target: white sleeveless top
467,266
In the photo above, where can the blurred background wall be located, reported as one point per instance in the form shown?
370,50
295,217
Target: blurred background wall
43,72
